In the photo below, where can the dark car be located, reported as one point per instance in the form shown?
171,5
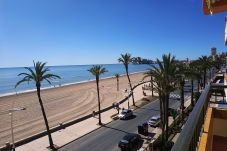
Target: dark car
128,141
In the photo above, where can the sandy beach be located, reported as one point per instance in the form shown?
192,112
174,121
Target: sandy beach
61,104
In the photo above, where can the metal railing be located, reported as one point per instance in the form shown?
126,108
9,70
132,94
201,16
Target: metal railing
189,136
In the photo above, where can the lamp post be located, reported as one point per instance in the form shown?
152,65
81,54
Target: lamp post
10,111
127,95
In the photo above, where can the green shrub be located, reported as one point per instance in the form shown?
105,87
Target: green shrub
157,145
197,95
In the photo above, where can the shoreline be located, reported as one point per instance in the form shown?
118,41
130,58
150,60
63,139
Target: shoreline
63,85
62,104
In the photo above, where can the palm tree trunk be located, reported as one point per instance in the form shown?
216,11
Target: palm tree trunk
161,100
210,73
117,84
167,117
204,78
182,102
133,101
97,84
192,93
198,82
45,118
152,87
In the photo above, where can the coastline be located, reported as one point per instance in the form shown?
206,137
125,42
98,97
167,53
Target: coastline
63,85
62,104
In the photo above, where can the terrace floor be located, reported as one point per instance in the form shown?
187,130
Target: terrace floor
219,143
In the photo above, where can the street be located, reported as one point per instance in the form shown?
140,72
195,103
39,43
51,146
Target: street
107,137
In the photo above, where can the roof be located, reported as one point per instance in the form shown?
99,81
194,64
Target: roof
214,6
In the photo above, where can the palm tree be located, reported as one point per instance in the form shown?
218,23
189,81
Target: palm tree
193,74
97,71
165,81
197,70
125,59
38,75
218,63
117,76
206,64
149,74
181,75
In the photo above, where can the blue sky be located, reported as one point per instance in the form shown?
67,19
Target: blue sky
67,32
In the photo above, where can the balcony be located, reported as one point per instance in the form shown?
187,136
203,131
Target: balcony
214,136
206,127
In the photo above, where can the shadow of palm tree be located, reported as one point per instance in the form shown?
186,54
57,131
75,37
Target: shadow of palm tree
145,108
115,129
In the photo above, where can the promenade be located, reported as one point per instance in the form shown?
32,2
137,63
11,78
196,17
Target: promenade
62,104
78,130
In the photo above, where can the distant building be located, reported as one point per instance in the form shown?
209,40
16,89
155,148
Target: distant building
139,60
214,53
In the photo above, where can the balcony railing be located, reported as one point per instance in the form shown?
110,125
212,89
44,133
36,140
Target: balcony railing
189,136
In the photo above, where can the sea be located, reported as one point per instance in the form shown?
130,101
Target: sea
70,74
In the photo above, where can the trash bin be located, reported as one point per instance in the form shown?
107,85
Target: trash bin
145,128
140,129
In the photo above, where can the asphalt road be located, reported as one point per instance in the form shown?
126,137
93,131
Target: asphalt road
107,137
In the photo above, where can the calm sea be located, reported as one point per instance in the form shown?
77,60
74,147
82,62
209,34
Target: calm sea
69,74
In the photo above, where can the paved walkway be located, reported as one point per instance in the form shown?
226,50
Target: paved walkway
78,130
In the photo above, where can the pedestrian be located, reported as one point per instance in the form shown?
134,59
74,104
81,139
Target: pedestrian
93,113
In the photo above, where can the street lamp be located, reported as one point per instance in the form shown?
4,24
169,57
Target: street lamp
126,92
10,112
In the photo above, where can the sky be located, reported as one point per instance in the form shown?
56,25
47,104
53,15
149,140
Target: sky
75,32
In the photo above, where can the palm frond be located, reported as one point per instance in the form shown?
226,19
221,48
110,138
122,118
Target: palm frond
38,75
97,70
44,71
50,76
32,73
47,80
21,81
26,74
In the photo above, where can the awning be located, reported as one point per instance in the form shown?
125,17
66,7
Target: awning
214,6
226,30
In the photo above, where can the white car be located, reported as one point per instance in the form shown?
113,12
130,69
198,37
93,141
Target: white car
154,121
126,113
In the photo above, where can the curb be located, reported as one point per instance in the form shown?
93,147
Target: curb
97,128
69,123
85,134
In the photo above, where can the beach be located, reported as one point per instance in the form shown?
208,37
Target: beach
61,104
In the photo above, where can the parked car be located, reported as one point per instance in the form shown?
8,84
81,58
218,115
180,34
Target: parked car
126,113
154,121
128,141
